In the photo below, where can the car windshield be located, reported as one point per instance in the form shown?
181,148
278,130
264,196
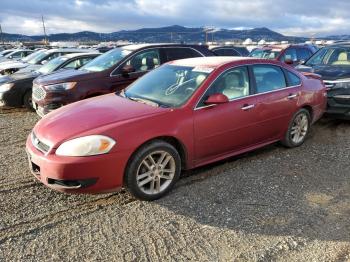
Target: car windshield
52,65
331,56
265,53
106,61
31,56
167,86
5,52
38,58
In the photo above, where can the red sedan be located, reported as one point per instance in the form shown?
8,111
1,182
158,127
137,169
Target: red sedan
185,114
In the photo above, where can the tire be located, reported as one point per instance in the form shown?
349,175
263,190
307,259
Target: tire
141,172
299,125
27,101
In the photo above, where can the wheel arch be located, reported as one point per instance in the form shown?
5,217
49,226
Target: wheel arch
172,140
310,110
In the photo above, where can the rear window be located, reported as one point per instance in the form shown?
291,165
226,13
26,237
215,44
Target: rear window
293,79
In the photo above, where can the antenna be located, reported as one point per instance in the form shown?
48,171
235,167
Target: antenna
1,38
42,19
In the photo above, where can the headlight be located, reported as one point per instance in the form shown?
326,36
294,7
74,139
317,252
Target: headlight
6,87
342,83
61,86
86,146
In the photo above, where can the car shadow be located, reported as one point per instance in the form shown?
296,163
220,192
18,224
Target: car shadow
301,192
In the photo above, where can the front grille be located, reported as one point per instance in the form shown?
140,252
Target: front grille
39,92
39,144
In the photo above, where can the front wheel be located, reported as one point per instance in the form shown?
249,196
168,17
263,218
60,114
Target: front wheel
298,129
27,101
153,170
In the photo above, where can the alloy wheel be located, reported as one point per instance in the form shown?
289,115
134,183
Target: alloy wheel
156,172
299,128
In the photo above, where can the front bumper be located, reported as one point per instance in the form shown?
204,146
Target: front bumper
338,106
93,174
43,110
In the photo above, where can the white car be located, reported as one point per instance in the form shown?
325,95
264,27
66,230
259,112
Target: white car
35,60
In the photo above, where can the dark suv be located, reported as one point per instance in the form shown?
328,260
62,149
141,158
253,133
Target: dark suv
289,54
332,63
227,50
108,73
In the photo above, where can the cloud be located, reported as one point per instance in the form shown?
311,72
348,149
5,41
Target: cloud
298,17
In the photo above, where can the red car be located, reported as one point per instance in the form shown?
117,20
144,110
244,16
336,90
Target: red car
185,114
289,54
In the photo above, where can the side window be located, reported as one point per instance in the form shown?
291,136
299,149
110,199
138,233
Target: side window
303,54
290,53
233,52
220,52
293,79
227,52
144,61
17,55
78,63
234,83
268,78
180,53
52,56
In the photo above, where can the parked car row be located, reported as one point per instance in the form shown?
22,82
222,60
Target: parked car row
16,89
149,111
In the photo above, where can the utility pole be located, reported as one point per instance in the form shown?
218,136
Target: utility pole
1,37
42,19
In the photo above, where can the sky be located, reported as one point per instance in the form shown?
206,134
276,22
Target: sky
289,17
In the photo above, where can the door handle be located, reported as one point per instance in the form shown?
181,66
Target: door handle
292,96
247,107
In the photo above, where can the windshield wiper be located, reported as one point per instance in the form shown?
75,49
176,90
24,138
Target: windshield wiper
144,101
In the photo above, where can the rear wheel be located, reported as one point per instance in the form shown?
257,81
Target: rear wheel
298,129
153,170
27,101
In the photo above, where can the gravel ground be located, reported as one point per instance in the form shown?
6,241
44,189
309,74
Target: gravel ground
274,204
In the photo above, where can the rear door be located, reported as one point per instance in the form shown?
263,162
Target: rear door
276,100
142,62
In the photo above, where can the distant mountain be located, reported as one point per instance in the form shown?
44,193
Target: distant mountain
174,33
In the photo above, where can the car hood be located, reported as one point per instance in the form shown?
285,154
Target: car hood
327,72
64,76
29,69
12,64
22,75
5,79
86,116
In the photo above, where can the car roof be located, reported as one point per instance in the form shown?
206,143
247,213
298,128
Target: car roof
73,55
139,46
341,44
212,61
70,50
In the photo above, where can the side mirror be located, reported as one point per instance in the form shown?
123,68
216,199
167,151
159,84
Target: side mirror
289,61
301,62
127,69
43,62
216,99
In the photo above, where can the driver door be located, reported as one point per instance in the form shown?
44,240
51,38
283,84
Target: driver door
226,128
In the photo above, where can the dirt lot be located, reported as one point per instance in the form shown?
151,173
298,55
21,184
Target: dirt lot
271,205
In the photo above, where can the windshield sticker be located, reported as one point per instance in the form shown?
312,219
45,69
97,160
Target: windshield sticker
201,69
